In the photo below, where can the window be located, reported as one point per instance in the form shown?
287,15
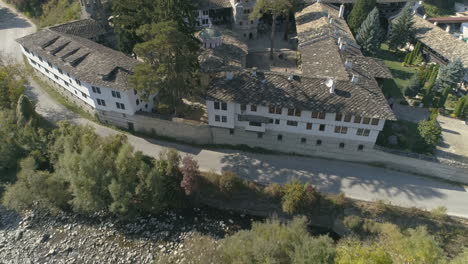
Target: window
347,118
120,106
50,65
217,118
101,102
253,108
360,147
341,145
84,95
318,142
322,127
66,83
137,101
366,121
303,140
259,135
243,107
216,105
341,129
274,110
79,83
60,71
291,123
47,71
360,131
224,106
366,132
96,89
338,117
357,119
375,121
204,21
231,131
56,77
40,58
294,112
277,121
271,121
27,51
224,119
115,94
135,92
253,123
309,126
279,137
205,12
321,115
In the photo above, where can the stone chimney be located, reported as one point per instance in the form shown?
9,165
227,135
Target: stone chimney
342,10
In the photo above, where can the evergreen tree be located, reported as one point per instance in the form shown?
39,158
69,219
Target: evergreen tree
369,35
171,63
401,29
359,13
443,98
430,131
450,75
462,104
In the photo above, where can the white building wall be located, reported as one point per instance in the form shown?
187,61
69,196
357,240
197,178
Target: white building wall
84,91
302,120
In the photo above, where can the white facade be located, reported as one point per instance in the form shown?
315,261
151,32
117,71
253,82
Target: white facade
203,18
241,18
300,122
97,97
461,7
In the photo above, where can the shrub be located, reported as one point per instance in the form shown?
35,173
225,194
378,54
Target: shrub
430,131
228,181
339,200
274,190
378,207
297,197
190,174
353,222
439,213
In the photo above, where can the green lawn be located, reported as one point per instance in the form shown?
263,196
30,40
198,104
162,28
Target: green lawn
401,74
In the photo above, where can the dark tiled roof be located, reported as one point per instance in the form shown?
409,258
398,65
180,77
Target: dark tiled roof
370,67
211,4
82,58
230,56
85,28
442,42
364,99
318,41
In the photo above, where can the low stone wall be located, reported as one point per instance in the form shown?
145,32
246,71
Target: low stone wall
177,129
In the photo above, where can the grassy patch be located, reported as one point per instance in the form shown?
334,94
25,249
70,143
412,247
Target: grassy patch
401,74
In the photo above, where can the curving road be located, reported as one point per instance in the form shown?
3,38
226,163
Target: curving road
355,180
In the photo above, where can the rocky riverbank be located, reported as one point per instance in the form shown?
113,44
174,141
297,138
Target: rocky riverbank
65,238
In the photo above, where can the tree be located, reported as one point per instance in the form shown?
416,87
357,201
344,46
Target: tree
274,7
359,13
401,29
430,131
353,251
130,15
450,75
274,242
12,85
296,5
190,174
369,35
460,107
413,87
297,197
170,63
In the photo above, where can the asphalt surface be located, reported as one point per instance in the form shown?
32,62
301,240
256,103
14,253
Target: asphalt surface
355,180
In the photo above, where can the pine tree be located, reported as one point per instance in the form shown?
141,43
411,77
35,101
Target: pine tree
369,35
359,13
401,29
450,75
444,95
460,107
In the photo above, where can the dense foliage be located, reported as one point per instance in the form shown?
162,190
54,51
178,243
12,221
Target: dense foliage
401,29
430,131
369,35
49,12
359,13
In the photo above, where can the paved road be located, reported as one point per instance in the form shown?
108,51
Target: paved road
356,180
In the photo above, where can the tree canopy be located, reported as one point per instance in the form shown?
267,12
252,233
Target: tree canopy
370,33
359,13
402,28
